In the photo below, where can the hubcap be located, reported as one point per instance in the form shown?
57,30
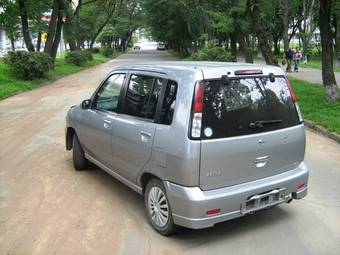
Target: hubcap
158,206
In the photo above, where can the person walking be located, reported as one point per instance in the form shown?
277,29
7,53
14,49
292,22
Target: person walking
289,58
297,58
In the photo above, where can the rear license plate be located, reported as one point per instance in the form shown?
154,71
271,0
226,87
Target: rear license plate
262,201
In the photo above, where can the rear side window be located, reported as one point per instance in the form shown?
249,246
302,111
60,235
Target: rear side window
138,95
142,98
246,106
168,104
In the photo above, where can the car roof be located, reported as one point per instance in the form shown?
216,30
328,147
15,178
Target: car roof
209,69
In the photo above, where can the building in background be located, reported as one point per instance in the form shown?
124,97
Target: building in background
3,40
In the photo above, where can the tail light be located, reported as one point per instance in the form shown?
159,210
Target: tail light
300,186
214,211
196,122
294,99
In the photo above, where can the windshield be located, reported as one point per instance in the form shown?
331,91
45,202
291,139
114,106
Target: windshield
245,106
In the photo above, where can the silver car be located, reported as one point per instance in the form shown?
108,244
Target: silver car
204,142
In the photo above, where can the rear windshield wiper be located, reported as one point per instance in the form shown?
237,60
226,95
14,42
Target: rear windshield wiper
261,123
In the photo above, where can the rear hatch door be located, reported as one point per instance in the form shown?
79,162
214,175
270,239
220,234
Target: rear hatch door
250,130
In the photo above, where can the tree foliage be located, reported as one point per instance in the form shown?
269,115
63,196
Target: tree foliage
234,26
9,20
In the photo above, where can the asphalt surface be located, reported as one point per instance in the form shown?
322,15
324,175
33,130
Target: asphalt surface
46,207
305,73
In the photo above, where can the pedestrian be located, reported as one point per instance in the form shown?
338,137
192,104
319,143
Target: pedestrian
297,58
288,55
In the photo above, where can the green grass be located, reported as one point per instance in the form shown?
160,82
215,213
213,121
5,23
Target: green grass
316,64
313,63
311,98
10,85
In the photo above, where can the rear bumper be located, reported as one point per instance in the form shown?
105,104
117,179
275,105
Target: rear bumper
190,204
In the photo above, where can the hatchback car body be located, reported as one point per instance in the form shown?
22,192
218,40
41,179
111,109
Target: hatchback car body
204,142
161,46
136,47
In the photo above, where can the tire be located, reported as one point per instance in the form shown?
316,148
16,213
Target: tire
157,208
79,160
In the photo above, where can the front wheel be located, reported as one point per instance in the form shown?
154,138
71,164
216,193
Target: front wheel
158,209
79,160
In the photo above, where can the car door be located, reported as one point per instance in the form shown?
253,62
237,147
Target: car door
134,128
96,126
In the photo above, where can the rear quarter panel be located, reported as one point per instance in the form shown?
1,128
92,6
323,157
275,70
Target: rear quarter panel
174,157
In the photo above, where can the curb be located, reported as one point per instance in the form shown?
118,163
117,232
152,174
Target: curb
320,129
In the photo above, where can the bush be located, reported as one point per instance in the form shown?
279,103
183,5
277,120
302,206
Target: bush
88,54
210,52
96,50
107,52
29,65
77,57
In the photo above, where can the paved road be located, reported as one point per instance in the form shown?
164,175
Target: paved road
312,75
48,208
305,73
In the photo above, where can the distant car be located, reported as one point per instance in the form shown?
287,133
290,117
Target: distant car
203,142
161,46
136,47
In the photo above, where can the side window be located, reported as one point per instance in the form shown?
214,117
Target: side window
168,105
108,95
139,96
152,103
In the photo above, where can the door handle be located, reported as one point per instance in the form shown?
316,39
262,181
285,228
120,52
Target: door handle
107,123
261,159
145,136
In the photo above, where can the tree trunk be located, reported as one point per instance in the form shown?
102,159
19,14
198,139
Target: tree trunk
328,77
69,34
276,46
93,39
11,38
73,45
246,49
52,27
263,35
57,37
337,40
109,16
233,47
24,26
39,42
285,24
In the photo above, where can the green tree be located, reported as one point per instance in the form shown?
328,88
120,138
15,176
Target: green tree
328,77
9,21
177,23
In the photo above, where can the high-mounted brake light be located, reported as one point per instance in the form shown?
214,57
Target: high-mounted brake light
196,122
248,72
294,99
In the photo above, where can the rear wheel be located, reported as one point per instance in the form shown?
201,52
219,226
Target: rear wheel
79,160
158,209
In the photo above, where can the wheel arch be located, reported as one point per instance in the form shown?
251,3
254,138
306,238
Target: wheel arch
145,178
70,132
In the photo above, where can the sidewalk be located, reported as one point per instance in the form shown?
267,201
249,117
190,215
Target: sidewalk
312,75
307,74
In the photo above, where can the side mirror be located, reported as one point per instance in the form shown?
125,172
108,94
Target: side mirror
86,104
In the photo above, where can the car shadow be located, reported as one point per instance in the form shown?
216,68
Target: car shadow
233,228
225,230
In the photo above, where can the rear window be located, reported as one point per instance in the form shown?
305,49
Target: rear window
246,106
